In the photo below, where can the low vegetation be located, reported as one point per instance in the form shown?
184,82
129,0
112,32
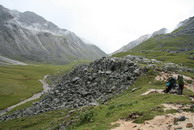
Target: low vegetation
165,48
21,82
101,117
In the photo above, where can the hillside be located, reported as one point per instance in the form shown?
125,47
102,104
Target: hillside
29,37
7,61
140,40
177,47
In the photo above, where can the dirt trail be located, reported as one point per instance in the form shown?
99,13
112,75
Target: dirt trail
175,106
153,91
164,122
46,88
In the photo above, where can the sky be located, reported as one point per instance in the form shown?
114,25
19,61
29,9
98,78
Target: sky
109,24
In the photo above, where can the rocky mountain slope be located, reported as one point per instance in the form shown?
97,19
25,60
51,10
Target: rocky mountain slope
29,37
140,40
185,27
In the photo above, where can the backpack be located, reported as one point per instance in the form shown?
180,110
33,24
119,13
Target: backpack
171,82
168,84
180,80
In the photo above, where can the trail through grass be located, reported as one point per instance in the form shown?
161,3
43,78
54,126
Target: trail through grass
21,82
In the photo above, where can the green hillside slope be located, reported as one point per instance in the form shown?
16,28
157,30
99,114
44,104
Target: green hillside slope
177,47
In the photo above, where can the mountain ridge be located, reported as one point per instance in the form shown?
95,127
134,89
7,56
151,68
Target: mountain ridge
138,41
176,46
29,37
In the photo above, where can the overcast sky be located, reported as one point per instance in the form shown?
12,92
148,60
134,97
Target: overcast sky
109,24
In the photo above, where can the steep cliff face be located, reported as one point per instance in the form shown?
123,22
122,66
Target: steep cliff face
29,37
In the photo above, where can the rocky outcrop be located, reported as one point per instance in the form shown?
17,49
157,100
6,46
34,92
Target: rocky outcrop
156,64
177,68
185,27
142,60
86,85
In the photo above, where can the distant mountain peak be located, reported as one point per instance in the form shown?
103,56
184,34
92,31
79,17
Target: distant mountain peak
4,14
86,41
30,37
161,31
185,27
31,17
33,21
140,40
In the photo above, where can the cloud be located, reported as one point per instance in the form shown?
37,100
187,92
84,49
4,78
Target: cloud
110,24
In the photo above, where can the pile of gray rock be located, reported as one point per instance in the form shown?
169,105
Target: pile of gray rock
86,85
142,60
153,63
176,68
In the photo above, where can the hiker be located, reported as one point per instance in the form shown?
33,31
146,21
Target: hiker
180,84
170,84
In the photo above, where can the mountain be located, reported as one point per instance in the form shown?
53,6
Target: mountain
29,37
133,44
140,40
7,61
177,46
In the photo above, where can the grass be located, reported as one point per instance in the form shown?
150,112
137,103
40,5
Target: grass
101,117
25,105
178,58
43,121
159,46
18,83
120,106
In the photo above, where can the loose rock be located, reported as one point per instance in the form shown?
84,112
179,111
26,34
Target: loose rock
189,125
86,85
181,118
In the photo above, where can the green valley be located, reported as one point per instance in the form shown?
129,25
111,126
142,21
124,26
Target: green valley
147,84
21,82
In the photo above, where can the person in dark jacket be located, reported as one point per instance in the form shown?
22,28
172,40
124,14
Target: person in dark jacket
170,84
181,84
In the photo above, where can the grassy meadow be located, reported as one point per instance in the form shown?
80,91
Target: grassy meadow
20,82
